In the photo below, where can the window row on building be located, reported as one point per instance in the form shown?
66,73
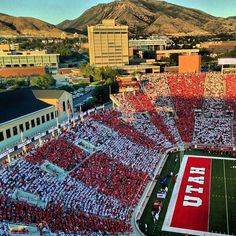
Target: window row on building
23,61
22,127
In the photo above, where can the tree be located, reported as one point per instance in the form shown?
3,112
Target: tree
110,73
28,81
2,84
87,70
14,87
20,82
123,22
32,45
149,54
229,54
101,93
11,82
44,81
99,74
67,88
174,58
63,49
89,104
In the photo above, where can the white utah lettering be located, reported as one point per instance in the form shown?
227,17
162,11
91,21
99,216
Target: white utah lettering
195,170
198,180
192,201
191,189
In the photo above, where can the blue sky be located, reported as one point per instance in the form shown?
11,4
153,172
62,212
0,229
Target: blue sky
55,11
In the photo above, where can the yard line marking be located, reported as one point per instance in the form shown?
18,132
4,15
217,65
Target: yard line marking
226,201
209,200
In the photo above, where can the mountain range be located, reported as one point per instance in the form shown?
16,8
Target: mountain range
14,26
232,18
152,17
144,17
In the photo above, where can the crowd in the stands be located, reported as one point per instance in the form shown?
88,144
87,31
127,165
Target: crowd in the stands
214,95
113,120
144,125
162,100
141,103
187,93
213,131
127,150
72,194
231,98
4,229
58,218
112,178
213,125
59,152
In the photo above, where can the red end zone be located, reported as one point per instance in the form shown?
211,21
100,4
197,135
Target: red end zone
192,205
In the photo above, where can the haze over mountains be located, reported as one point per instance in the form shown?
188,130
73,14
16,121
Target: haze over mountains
144,17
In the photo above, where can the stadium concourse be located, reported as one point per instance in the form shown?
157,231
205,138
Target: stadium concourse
90,179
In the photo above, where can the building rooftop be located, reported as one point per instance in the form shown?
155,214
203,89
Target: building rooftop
178,51
26,53
48,94
17,103
21,71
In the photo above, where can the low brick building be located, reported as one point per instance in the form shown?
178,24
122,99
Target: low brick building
22,72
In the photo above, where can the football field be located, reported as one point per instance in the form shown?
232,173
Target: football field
203,201
223,197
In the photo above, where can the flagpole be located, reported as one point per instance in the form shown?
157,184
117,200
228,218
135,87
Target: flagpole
9,158
58,130
40,141
21,136
57,118
67,103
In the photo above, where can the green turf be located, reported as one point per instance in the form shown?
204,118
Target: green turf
217,222
222,186
231,194
155,229
208,153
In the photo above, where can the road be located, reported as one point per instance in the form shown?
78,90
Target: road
83,98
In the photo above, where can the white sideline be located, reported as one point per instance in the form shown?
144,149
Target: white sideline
173,200
212,157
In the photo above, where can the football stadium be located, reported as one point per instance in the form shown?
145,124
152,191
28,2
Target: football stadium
161,162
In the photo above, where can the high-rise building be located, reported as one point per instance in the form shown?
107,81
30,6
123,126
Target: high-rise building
108,44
